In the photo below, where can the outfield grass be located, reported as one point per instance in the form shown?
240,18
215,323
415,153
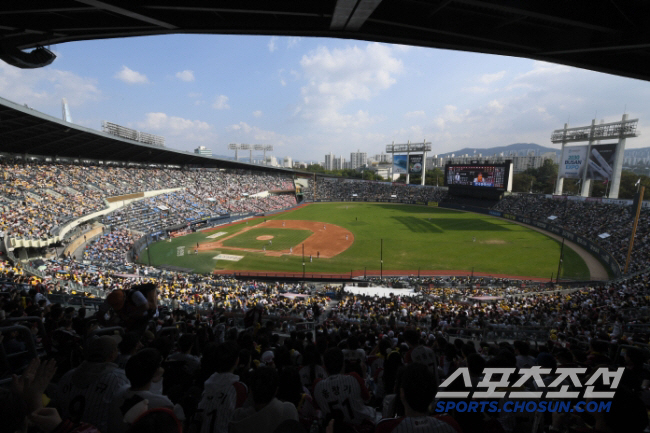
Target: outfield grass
414,237
282,239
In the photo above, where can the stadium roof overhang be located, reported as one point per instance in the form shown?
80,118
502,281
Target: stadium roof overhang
25,131
607,36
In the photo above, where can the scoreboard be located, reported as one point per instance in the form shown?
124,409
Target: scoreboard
479,176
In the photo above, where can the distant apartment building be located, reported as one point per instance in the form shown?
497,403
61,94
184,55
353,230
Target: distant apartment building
520,163
358,159
203,151
288,162
329,162
339,163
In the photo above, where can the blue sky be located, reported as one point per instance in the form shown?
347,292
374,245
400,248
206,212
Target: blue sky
310,96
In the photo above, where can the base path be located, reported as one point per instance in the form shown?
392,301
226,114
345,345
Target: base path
328,240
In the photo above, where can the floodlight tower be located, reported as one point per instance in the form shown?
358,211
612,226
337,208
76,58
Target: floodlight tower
592,134
264,148
236,147
259,147
409,147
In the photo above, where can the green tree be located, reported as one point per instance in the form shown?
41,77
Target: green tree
316,168
523,182
628,188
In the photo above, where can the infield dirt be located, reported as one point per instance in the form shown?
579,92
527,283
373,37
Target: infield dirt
327,240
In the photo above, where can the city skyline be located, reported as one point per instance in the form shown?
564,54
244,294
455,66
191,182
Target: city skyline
307,96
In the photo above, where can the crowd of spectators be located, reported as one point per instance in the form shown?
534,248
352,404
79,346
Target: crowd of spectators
349,189
37,198
589,219
365,364
109,248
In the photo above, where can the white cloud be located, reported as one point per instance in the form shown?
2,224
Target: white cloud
495,106
491,78
185,75
242,131
161,122
414,114
338,77
241,126
450,115
221,103
194,95
541,69
273,43
43,88
257,113
130,76
475,89
292,41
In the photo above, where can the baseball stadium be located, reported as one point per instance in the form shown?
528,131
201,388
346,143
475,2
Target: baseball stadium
149,289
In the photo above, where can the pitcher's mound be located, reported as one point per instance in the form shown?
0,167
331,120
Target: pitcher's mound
264,238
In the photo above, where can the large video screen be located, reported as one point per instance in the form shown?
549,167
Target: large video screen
484,176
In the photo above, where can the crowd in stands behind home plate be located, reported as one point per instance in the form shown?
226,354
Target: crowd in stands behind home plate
208,353
589,219
344,189
36,198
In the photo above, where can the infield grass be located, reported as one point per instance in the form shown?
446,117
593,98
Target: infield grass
282,239
413,236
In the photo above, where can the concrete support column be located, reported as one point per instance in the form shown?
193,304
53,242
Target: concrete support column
559,183
618,163
586,183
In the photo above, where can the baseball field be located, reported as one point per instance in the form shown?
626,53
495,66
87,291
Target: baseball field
344,237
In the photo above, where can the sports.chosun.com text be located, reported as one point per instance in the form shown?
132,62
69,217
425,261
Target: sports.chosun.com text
492,406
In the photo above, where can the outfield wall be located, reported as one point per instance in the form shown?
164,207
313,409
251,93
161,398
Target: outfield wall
594,249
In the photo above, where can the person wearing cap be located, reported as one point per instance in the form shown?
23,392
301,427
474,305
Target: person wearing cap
267,359
86,392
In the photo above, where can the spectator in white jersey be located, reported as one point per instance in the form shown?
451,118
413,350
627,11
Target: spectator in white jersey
223,392
86,392
142,369
343,396
265,412
312,369
417,390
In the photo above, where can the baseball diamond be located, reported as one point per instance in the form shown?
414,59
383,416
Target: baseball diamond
415,238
